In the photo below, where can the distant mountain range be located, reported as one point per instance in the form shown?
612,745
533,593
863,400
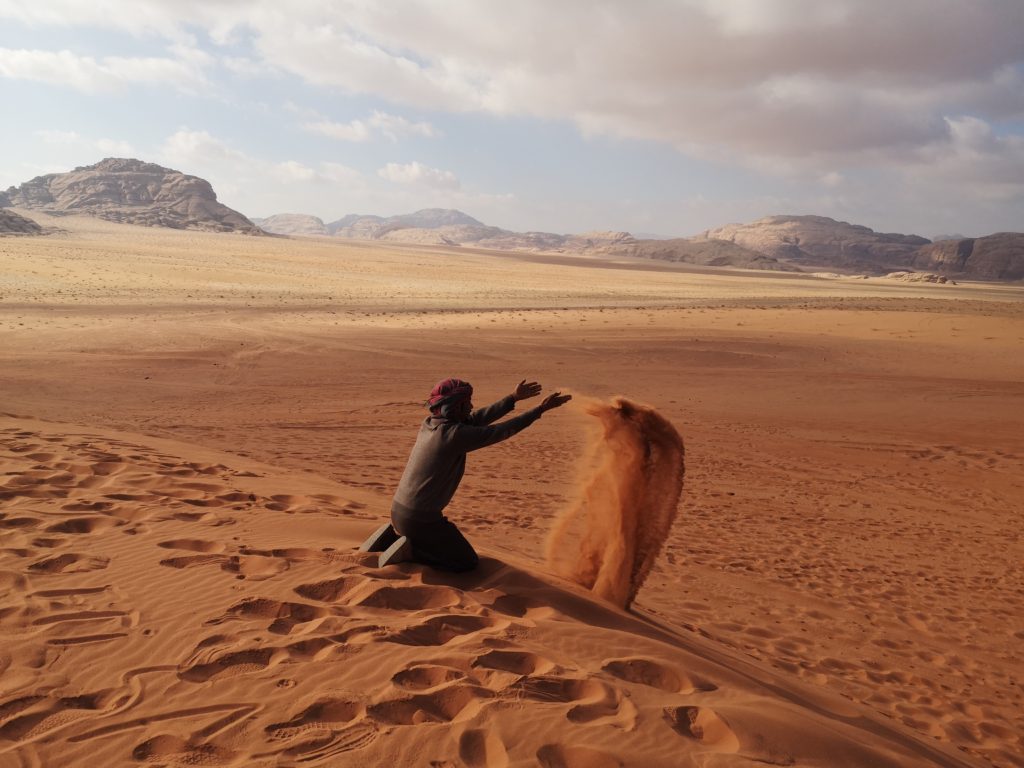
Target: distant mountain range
778,243
136,192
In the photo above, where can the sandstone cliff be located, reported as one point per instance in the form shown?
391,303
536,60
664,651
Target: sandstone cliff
132,192
994,257
818,241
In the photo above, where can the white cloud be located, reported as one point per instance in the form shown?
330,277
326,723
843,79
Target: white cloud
822,91
200,148
107,147
290,171
86,73
58,137
417,173
250,183
357,130
389,126
815,82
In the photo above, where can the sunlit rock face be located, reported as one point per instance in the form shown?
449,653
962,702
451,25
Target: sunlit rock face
819,241
132,192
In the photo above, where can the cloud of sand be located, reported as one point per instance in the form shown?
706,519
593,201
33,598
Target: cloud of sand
631,476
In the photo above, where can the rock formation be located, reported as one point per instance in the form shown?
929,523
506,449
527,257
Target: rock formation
131,192
920,277
994,257
456,223
708,253
292,224
12,223
819,241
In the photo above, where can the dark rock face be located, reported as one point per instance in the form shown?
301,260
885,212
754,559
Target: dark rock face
131,192
708,253
994,257
12,223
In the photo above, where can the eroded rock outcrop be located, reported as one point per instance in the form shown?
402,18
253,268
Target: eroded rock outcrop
993,257
132,192
12,223
700,252
819,241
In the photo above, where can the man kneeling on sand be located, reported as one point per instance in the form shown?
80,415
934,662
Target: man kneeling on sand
419,531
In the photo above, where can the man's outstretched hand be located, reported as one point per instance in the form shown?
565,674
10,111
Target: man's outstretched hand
554,400
526,389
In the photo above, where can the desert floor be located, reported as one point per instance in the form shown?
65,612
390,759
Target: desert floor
849,540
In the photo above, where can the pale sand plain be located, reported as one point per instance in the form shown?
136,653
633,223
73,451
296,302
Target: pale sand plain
200,428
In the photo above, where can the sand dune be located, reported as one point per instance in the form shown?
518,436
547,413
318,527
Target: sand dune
166,605
227,418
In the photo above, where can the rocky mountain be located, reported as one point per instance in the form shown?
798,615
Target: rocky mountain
363,227
437,226
704,252
292,224
133,192
815,242
12,223
818,241
994,257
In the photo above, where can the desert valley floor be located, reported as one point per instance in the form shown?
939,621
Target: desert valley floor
198,429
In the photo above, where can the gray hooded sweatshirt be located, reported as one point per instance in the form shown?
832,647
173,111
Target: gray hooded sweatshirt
438,460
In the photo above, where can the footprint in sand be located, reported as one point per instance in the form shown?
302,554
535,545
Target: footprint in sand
191,561
654,674
168,749
424,677
332,590
330,742
78,525
234,664
565,756
456,702
411,598
324,715
595,701
482,748
70,562
18,523
703,725
193,545
522,607
441,630
516,662
285,616
30,718
12,582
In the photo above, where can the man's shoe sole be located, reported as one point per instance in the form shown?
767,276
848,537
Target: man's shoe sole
380,539
399,552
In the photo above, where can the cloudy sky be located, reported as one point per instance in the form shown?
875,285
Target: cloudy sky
653,116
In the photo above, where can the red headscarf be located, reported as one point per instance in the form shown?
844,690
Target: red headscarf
448,392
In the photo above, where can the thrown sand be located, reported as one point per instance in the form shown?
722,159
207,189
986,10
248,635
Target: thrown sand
609,538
